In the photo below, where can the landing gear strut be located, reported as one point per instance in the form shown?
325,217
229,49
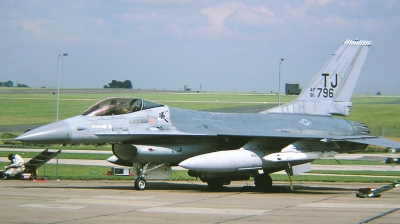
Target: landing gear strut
263,182
142,170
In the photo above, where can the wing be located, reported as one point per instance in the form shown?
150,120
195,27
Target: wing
264,134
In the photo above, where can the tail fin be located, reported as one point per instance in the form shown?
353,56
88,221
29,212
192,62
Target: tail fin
331,89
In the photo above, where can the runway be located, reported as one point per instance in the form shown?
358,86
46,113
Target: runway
183,202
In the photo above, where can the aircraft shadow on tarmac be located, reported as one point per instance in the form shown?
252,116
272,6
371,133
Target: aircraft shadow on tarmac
203,188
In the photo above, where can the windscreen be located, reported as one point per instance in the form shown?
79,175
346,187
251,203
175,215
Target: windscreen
118,106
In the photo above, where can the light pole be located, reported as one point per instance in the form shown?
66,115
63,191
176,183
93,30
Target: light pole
279,87
58,83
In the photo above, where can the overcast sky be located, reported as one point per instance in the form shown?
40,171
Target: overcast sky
222,45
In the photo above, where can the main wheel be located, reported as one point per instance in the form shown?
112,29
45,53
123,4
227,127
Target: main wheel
215,185
140,184
263,182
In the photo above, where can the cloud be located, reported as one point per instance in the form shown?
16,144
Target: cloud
238,14
255,16
36,26
139,17
299,13
174,30
216,32
324,14
217,14
263,10
340,23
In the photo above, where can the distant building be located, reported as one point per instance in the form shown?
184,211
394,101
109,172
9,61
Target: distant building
292,89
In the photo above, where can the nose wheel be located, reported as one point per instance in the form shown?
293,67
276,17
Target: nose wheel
140,184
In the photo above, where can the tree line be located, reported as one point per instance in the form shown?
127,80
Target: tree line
127,84
11,84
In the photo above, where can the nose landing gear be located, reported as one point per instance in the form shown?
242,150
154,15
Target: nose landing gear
150,171
140,184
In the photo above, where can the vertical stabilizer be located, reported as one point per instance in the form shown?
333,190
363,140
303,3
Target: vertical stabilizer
330,90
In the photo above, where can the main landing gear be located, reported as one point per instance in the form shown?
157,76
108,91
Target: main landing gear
217,184
263,182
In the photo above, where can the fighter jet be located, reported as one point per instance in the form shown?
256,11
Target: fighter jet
222,147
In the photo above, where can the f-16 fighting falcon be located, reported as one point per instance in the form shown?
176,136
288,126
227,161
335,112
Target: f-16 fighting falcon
223,147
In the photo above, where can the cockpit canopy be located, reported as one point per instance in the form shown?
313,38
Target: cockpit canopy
118,106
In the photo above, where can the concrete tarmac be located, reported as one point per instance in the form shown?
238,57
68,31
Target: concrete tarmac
191,202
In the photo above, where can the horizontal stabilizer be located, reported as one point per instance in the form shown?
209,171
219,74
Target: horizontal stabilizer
379,141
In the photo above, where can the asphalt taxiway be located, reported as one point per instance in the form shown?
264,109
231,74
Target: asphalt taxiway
182,202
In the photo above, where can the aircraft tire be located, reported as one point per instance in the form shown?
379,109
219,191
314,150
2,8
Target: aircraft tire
140,184
263,182
215,185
